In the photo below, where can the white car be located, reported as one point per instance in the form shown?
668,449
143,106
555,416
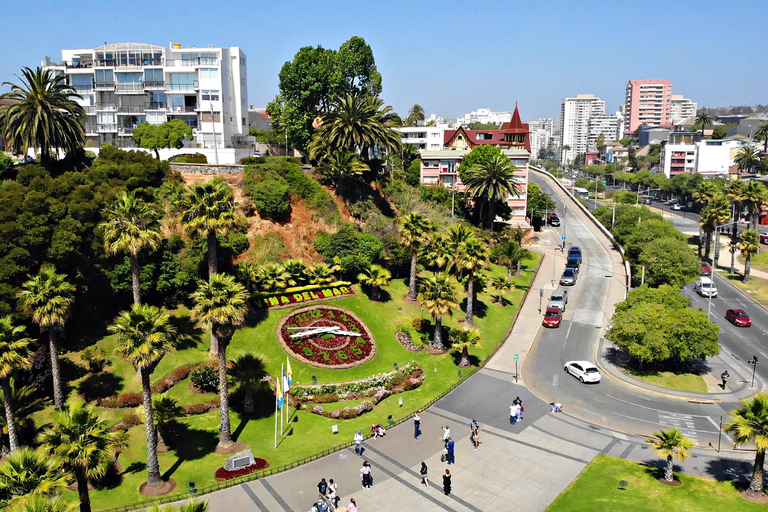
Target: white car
705,287
583,370
677,207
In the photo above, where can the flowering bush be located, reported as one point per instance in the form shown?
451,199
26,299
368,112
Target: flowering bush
367,405
335,415
380,395
381,380
318,410
223,474
129,399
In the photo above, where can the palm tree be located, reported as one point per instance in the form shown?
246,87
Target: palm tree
704,193
43,114
438,296
502,285
144,336
750,244
415,114
320,274
703,119
755,197
84,442
463,339
29,472
250,274
48,297
130,226
375,276
248,371
297,270
455,238
734,191
510,253
716,213
749,424
414,234
669,443
42,503
748,159
24,401
221,304
493,180
212,212
337,167
165,409
473,256
408,154
762,134
435,253
274,277
15,354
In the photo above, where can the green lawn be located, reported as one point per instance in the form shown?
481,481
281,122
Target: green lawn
193,460
756,288
680,381
597,489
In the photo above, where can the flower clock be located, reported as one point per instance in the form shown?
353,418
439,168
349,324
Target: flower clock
326,336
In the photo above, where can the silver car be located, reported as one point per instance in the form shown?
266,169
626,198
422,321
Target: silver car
558,299
569,277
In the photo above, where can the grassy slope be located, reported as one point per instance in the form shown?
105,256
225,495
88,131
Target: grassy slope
671,380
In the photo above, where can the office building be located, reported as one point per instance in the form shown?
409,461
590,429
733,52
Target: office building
648,102
541,135
574,124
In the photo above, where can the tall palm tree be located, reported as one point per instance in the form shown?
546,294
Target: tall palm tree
703,119
492,181
27,473
749,424
762,134
131,225
750,244
463,339
337,167
669,443
15,354
415,114
473,257
734,191
24,401
42,503
221,304
165,409
748,159
755,197
455,238
436,253
85,444
438,296
48,297
502,285
716,213
408,154
414,234
248,372
44,114
375,276
704,193
144,336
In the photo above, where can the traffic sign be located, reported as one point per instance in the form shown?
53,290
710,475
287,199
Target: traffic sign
563,237
517,357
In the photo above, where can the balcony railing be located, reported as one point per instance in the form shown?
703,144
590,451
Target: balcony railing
89,109
131,109
129,64
199,61
83,88
187,109
125,130
107,127
131,87
105,86
80,65
157,105
107,107
154,84
182,87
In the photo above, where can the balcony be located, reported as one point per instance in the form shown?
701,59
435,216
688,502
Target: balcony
131,109
157,105
89,110
154,84
130,88
80,89
126,130
183,88
133,63
80,65
107,107
199,61
107,128
105,86
187,109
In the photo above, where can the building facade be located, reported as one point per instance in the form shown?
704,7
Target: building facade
574,124
125,84
605,125
648,102
423,137
681,108
484,115
685,152
541,135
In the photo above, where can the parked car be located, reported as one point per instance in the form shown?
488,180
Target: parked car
552,317
575,252
706,268
738,317
558,299
764,237
676,207
573,262
569,277
583,370
554,220
705,287
647,200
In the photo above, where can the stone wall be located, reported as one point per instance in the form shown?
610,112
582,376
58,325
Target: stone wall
207,168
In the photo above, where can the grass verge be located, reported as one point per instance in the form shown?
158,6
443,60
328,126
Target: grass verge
689,382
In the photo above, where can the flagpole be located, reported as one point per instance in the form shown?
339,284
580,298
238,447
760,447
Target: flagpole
281,392
277,392
287,393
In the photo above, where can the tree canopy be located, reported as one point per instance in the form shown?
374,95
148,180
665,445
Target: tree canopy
170,134
478,156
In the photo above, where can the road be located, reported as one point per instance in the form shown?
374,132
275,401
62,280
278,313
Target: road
613,403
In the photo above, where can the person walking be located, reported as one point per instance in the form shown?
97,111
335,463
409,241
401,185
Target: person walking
724,376
322,487
513,409
474,436
365,472
359,443
451,456
416,425
446,434
446,483
423,473
333,493
352,507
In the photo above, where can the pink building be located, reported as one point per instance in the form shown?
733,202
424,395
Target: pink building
648,102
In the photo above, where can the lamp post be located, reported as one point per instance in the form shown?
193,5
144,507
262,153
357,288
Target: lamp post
754,364
734,245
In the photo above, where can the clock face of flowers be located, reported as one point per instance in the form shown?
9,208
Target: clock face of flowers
326,336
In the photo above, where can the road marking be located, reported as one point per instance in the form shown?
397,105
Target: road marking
657,423
619,435
568,332
682,421
654,410
718,429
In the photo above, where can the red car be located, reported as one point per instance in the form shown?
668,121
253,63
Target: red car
764,238
738,317
552,317
706,269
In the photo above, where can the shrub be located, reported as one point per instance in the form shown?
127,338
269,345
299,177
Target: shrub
95,358
130,399
421,324
326,399
252,160
335,415
411,383
6,163
193,409
367,405
206,378
271,199
194,158
182,372
318,410
110,401
131,419
417,342
380,395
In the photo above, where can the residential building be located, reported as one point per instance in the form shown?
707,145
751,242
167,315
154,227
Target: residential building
648,102
441,167
574,124
439,121
686,152
485,116
125,84
423,137
541,135
605,125
681,108
653,135
750,125
615,153
259,119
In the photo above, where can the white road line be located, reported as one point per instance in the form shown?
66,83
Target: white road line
654,410
718,429
661,424
568,332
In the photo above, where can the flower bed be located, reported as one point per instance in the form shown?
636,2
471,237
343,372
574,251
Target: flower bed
327,350
222,474
302,294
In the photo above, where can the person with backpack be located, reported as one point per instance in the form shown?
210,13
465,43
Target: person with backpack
423,474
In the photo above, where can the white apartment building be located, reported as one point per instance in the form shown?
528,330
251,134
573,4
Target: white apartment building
681,108
439,121
484,115
708,157
605,125
125,84
428,138
574,124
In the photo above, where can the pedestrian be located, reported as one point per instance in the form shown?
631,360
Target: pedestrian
423,473
517,401
322,487
352,507
365,473
451,456
446,434
475,435
725,378
446,483
473,426
359,443
513,413
333,493
416,425
519,411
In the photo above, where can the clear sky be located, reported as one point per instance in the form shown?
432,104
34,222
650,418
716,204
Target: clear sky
449,56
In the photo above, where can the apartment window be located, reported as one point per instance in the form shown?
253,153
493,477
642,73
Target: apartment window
153,76
207,117
429,180
155,117
209,73
82,82
128,78
105,76
210,95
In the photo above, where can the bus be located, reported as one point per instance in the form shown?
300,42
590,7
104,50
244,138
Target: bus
580,192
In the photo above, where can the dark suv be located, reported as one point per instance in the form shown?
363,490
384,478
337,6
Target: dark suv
575,253
553,220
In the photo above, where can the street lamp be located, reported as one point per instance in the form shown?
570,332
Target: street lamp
734,246
754,364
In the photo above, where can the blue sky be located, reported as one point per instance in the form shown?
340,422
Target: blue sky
451,57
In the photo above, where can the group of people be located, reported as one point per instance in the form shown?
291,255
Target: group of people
516,411
423,474
329,495
377,430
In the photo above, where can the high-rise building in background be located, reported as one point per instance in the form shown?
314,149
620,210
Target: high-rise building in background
681,108
574,124
541,132
125,84
605,125
648,102
485,116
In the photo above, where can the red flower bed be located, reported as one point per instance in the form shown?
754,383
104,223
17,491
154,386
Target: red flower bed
223,474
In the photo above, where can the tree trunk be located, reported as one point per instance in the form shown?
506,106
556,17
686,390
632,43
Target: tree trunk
375,292
213,266
756,483
470,298
464,356
53,347
733,259
157,153
747,265
717,249
509,272
438,342
709,245
519,262
669,473
491,213
135,279
248,403
10,418
412,281
153,465
82,491
226,430
501,298
701,240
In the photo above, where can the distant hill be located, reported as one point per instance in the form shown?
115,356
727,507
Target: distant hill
734,111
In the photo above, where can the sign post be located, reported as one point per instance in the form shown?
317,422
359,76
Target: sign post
563,238
517,358
541,294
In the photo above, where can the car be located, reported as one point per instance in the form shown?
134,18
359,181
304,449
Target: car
258,153
672,201
558,299
764,237
575,251
569,277
552,317
738,317
573,262
706,269
705,287
554,220
647,200
676,207
583,370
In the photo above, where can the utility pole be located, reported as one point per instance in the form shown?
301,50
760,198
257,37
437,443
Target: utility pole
642,279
